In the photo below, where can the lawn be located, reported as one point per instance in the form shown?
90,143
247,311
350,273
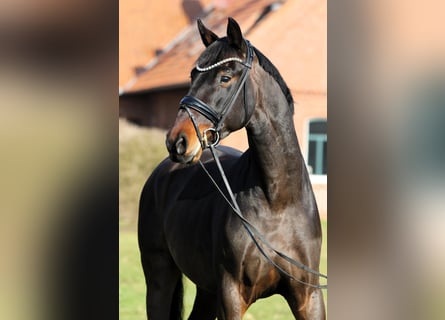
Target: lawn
140,150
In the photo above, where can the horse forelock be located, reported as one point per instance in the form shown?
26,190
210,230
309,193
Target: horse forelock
217,51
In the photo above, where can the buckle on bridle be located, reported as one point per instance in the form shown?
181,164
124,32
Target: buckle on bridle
205,141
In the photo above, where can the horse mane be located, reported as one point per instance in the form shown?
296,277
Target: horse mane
272,70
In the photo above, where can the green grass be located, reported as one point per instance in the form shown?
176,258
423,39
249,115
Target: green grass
140,150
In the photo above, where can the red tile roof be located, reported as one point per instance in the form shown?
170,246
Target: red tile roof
145,26
293,37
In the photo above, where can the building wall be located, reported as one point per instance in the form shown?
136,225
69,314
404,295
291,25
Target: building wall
308,106
156,109
311,106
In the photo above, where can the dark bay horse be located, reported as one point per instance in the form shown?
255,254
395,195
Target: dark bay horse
187,227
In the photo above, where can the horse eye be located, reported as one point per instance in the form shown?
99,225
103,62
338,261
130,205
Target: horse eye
225,79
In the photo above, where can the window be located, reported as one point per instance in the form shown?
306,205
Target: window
317,147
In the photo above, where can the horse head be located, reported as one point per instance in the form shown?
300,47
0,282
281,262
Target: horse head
220,99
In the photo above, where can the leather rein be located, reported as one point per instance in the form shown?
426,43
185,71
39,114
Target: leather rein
190,102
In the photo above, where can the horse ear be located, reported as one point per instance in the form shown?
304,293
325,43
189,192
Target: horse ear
207,36
234,34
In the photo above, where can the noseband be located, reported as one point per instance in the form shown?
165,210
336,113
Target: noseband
217,118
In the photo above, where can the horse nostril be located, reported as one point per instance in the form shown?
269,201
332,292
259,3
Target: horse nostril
181,145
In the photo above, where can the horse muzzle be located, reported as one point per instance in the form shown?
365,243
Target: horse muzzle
182,143
183,147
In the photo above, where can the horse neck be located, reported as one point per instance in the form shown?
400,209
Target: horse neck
274,146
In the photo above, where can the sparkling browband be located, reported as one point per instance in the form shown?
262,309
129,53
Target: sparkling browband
217,64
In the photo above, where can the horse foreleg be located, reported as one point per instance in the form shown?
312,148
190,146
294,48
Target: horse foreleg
315,306
164,289
307,304
231,305
204,307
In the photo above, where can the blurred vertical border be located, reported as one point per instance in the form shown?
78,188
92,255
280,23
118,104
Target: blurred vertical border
58,159
386,106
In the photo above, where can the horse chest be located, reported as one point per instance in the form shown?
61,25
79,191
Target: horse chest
257,276
248,263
